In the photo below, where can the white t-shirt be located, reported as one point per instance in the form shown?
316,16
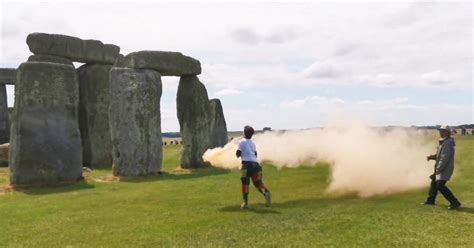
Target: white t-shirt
248,149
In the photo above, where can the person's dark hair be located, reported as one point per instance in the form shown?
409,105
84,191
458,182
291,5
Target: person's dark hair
248,132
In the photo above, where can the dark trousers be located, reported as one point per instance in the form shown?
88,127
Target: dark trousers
440,185
251,170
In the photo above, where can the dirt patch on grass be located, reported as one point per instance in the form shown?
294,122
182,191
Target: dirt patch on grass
180,170
6,190
106,179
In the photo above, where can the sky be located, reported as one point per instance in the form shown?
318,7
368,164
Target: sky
285,65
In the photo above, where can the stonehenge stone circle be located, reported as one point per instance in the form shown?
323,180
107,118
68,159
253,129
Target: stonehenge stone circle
167,63
104,113
75,49
45,145
218,126
135,121
94,99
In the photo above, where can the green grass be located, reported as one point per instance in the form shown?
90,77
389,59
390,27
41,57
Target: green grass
201,209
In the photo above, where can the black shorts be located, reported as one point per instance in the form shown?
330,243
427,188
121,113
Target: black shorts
250,168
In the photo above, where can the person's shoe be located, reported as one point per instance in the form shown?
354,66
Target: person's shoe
268,198
244,206
427,203
454,206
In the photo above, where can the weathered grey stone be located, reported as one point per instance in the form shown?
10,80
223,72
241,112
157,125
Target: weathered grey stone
94,115
120,60
50,59
218,126
10,115
135,121
167,63
7,76
4,121
75,49
45,144
193,112
4,148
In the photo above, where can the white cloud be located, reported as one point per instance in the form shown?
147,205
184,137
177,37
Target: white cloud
170,84
298,103
10,95
298,46
399,103
283,35
169,117
228,92
246,36
344,48
322,70
380,80
249,36
295,43
313,103
334,104
245,76
395,111
437,78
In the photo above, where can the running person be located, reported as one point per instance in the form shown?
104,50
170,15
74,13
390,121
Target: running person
251,169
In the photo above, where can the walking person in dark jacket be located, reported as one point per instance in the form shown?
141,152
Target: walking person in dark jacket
444,168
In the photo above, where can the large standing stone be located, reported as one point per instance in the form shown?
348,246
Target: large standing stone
167,63
4,121
194,120
218,126
45,146
94,115
75,49
135,122
10,115
7,75
4,149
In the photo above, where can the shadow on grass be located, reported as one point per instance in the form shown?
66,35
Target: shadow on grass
179,175
258,208
461,209
273,209
81,185
53,189
465,210
445,207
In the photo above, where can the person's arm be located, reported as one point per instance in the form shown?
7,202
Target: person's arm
431,157
238,153
446,155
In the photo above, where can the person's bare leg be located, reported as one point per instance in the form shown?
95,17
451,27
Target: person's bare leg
258,183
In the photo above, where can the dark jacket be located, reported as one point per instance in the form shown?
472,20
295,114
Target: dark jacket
445,159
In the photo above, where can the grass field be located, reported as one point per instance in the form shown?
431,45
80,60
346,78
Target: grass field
201,209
